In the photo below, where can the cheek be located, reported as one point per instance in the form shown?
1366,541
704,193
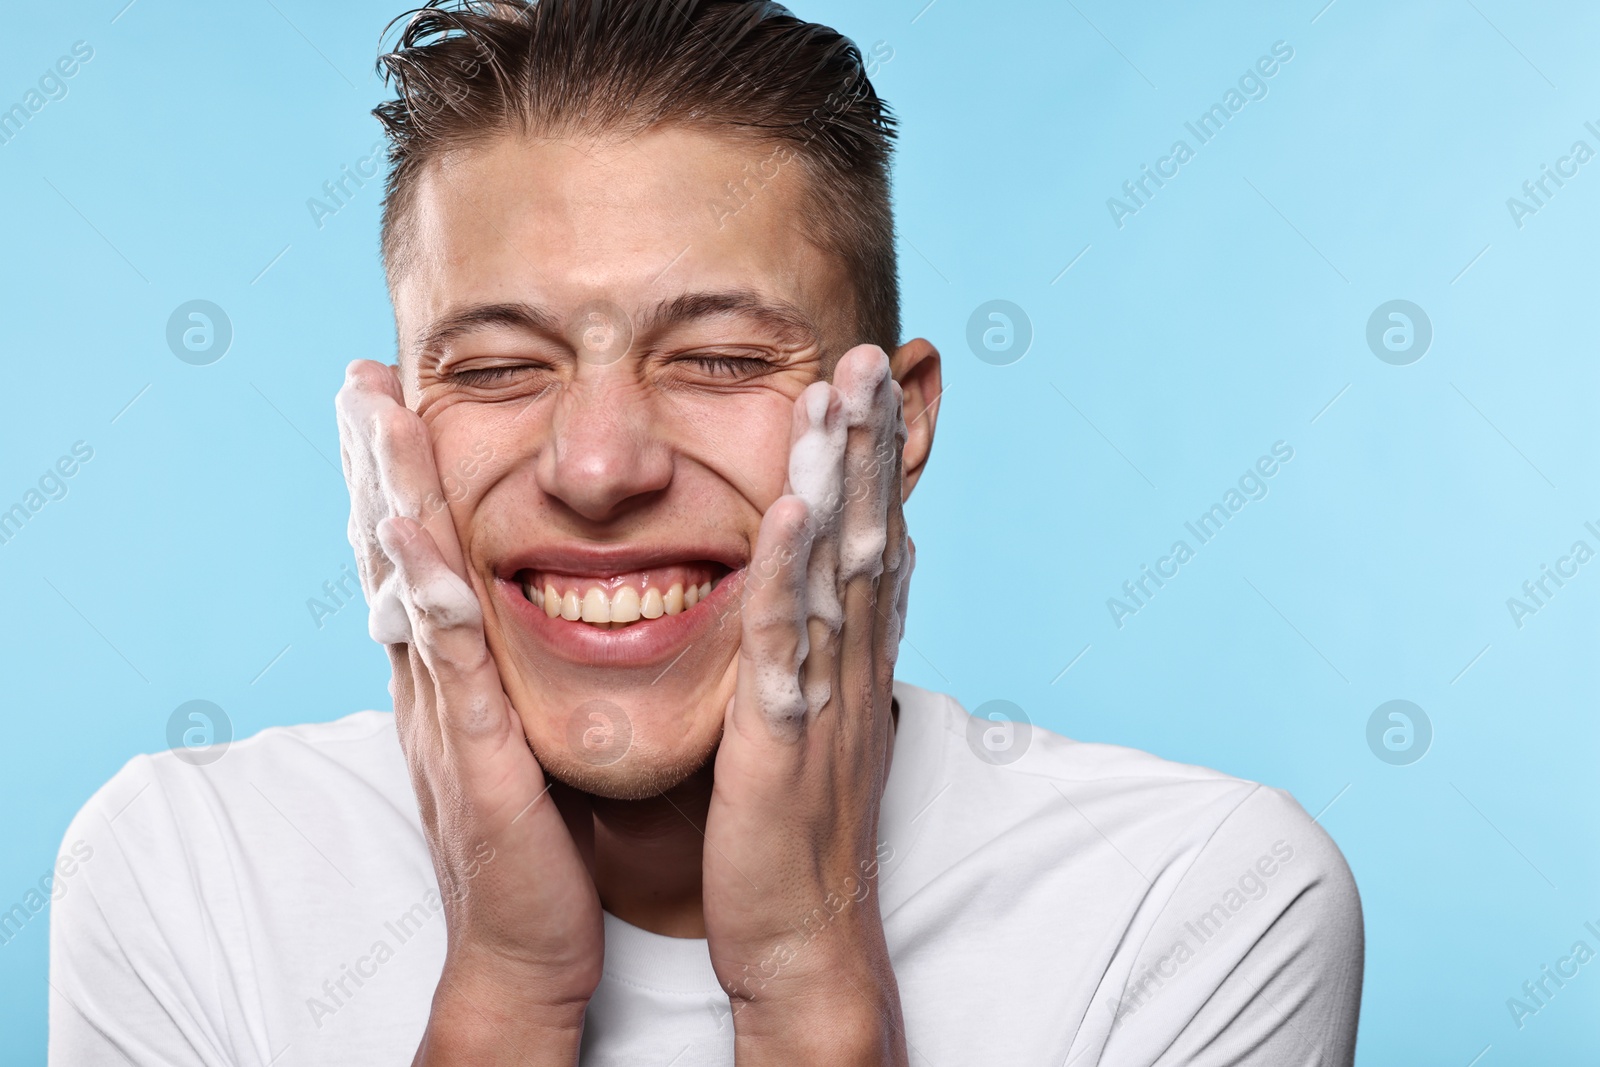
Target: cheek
473,445
744,439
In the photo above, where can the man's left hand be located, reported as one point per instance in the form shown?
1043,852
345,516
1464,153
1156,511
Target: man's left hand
792,857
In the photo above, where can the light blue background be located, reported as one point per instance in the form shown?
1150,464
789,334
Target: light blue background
1223,317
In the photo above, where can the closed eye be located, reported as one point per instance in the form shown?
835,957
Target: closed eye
725,366
477,376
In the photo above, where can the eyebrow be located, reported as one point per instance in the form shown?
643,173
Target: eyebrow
787,321
527,318
784,319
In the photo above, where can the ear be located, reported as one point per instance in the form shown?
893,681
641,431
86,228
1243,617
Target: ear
915,365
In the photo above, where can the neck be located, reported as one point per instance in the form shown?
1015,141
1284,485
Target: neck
645,855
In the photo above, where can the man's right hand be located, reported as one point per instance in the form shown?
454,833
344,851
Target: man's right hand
525,936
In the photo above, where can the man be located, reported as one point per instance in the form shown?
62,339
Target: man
627,510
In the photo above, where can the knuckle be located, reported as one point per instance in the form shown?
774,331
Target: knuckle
445,603
392,425
825,623
771,635
362,379
365,374
863,557
473,715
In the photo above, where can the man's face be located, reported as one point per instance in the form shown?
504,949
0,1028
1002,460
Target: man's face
607,357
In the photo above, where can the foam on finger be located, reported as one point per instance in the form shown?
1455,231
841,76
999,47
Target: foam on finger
815,467
360,401
387,621
775,641
866,389
433,597
816,474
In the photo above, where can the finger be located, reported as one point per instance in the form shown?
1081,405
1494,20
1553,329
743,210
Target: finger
894,592
370,388
481,778
367,385
474,718
411,690
871,410
405,464
415,720
410,477
867,393
365,381
898,555
816,475
895,626
768,700
403,692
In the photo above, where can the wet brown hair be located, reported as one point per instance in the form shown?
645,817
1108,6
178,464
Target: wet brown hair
466,71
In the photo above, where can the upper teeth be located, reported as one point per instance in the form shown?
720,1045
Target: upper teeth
627,604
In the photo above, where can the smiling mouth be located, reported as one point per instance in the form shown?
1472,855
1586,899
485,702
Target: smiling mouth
622,600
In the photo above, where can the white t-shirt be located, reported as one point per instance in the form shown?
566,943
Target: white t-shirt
1084,904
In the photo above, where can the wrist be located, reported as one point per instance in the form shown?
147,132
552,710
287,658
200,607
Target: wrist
486,1016
850,1025
841,1008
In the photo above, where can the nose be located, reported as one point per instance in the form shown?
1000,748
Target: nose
605,455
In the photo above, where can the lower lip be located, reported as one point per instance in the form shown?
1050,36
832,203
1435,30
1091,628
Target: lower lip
642,644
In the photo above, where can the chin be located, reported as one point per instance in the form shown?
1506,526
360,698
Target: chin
636,776
623,754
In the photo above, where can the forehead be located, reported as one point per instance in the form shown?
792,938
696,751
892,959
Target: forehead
558,222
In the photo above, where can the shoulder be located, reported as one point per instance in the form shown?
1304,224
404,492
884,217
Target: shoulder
1177,827
1173,884
173,824
203,886
314,761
